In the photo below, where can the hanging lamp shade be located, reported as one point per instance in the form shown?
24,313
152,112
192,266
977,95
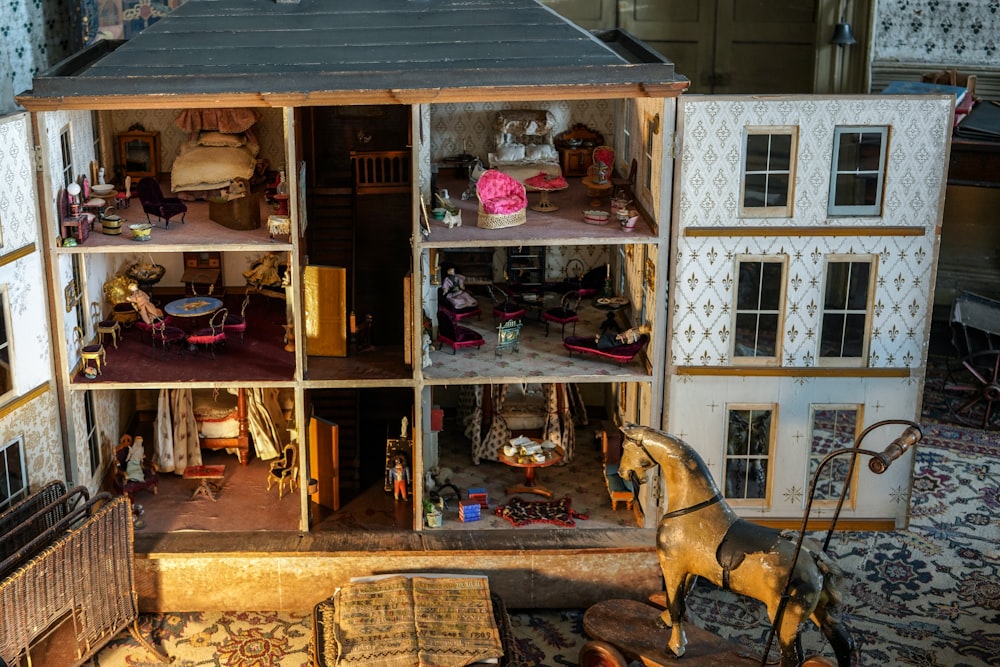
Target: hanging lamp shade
842,35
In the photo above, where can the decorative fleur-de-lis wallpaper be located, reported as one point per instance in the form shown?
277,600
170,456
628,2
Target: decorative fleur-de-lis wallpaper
711,161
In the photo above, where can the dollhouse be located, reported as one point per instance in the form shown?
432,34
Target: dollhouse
368,135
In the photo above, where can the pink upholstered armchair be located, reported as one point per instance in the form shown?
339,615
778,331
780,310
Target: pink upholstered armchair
502,200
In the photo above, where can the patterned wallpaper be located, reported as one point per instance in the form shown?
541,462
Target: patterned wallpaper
24,283
711,159
956,32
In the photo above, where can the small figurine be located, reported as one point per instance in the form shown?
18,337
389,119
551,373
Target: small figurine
143,304
426,360
453,286
133,461
608,339
264,271
399,474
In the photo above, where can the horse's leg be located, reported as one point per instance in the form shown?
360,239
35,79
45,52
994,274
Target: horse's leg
676,587
788,633
837,634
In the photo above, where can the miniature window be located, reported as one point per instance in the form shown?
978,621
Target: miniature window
846,311
66,151
858,170
648,153
13,474
6,370
93,441
768,172
833,427
626,131
760,294
747,473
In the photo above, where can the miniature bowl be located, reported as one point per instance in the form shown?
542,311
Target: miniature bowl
102,190
438,213
142,231
595,217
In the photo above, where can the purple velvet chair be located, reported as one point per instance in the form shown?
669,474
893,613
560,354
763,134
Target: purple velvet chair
152,200
565,313
454,334
212,335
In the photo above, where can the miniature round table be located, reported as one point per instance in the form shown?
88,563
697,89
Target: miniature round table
596,190
193,306
529,464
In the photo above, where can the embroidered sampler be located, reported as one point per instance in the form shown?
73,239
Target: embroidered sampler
419,621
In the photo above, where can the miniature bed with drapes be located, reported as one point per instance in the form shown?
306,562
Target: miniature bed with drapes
222,145
490,414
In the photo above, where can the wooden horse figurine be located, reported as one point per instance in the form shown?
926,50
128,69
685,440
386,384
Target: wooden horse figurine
701,536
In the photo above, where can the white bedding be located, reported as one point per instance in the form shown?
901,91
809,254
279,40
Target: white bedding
201,167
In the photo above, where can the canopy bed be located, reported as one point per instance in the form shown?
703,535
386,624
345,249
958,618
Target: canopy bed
524,144
218,419
492,413
221,146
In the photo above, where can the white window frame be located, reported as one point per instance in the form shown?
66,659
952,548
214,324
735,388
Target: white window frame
827,480
647,153
5,472
854,171
727,458
6,344
844,311
769,171
756,360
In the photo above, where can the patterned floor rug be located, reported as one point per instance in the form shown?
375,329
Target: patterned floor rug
926,596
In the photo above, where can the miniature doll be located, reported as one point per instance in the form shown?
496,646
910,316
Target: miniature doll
133,461
453,286
399,474
609,339
143,304
264,272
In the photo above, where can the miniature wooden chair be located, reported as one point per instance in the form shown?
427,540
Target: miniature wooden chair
90,352
105,326
285,469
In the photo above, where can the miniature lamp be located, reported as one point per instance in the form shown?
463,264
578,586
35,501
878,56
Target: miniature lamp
73,190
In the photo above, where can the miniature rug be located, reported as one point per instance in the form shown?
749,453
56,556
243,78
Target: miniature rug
522,512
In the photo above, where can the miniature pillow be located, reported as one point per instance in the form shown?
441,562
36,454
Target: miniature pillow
221,140
510,152
540,152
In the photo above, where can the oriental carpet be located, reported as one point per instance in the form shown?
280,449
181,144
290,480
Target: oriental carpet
926,596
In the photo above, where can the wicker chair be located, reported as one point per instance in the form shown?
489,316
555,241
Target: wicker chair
502,200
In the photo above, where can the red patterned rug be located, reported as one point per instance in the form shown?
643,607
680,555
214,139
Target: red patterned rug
522,512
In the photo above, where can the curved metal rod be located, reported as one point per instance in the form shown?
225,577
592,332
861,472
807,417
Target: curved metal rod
879,464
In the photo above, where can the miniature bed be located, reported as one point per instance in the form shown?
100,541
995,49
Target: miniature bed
222,421
524,144
222,146
621,353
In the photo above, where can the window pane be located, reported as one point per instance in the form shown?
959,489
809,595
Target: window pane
836,284
833,328
832,429
854,335
737,443
770,298
777,194
736,476
757,149
857,296
746,335
847,155
755,190
869,151
749,286
767,336
781,152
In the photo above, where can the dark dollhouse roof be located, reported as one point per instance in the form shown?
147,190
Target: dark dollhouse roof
313,52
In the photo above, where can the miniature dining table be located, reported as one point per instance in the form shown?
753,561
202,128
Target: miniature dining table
530,465
191,307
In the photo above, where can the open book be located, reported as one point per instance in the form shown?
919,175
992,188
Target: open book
404,621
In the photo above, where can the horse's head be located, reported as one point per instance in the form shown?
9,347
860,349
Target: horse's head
645,447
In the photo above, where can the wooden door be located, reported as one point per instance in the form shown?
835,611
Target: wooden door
325,311
324,463
731,46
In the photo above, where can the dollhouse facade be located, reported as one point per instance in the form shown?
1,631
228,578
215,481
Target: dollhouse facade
365,102
805,242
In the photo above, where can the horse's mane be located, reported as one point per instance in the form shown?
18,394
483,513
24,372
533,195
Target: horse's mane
642,434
